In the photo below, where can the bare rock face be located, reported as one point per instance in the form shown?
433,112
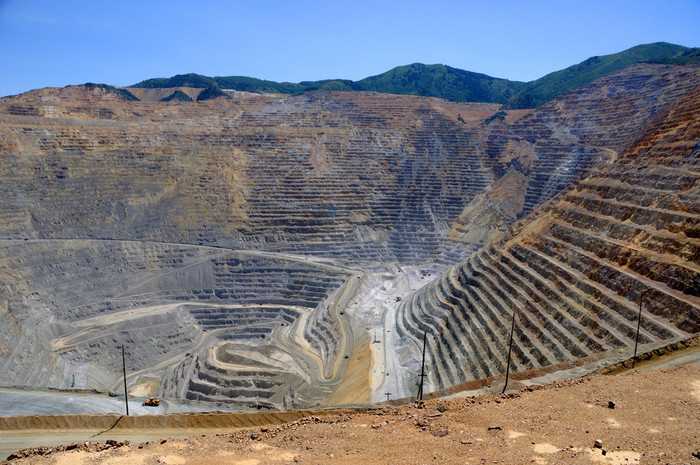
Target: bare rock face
577,270
222,242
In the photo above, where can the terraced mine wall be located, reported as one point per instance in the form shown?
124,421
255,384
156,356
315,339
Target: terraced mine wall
355,176
576,273
183,312
330,174
227,243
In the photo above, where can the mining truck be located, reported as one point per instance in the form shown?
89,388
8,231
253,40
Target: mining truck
151,402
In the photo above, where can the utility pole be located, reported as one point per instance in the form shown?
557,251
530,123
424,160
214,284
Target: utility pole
422,369
126,394
388,394
510,349
639,323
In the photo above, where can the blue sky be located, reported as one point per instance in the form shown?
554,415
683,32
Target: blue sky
57,43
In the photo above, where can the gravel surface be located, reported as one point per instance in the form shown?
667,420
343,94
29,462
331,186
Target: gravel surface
654,418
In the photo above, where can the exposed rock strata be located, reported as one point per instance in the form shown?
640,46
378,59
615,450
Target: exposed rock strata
222,241
576,271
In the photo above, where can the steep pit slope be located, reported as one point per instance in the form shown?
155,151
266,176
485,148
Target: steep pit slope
358,176
223,241
355,176
576,270
545,150
122,223
197,322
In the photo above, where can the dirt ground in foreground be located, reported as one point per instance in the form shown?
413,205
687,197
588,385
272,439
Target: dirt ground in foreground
655,419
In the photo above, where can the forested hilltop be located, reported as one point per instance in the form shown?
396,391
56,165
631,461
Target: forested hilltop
447,82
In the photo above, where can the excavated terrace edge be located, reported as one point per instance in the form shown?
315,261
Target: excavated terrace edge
189,421
608,362
216,420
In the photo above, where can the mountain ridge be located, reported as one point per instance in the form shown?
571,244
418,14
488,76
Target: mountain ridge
449,83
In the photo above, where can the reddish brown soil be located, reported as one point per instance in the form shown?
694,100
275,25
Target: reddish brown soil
655,419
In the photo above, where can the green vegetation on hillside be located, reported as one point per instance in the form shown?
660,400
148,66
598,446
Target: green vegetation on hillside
417,79
247,84
122,93
177,95
446,82
499,115
211,92
181,80
688,55
443,82
543,90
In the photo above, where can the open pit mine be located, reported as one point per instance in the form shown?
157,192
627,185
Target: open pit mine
281,252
